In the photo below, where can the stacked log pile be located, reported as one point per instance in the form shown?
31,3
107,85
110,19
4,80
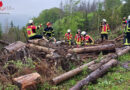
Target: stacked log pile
48,51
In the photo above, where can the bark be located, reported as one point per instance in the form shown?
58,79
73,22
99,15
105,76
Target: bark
123,50
16,46
95,75
93,48
40,48
53,56
119,38
40,42
106,59
27,80
4,42
71,73
91,66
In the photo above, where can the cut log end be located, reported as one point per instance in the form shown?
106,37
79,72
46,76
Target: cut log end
28,80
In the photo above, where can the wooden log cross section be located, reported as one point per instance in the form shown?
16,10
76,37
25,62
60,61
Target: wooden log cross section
27,80
92,48
16,46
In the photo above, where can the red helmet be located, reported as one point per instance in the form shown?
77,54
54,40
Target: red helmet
48,23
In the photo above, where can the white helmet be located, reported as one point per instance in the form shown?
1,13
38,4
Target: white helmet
104,20
30,21
129,17
68,30
83,32
78,30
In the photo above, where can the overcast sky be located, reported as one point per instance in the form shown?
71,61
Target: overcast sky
23,10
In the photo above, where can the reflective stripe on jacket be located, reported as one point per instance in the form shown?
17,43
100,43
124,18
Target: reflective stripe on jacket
30,31
78,38
105,29
68,36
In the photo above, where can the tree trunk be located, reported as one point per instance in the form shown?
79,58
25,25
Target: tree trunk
95,75
16,46
71,73
90,66
53,56
106,59
40,42
4,42
26,81
40,48
93,48
119,38
123,50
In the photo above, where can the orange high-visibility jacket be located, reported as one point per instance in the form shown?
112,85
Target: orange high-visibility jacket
68,36
105,29
78,38
31,30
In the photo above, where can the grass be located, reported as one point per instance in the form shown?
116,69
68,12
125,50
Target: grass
117,78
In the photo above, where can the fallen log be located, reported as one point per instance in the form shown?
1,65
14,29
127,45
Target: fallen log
119,38
90,66
71,73
123,50
4,42
106,59
16,46
26,81
40,48
92,48
40,42
95,65
95,75
53,56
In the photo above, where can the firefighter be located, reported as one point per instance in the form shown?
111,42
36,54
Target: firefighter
31,31
78,38
105,29
68,37
87,39
48,31
124,23
127,33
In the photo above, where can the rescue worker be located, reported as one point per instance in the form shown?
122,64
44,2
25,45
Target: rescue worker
105,29
68,37
31,31
78,38
87,40
124,23
48,31
127,32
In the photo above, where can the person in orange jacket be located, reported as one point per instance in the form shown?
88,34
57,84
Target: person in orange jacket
68,37
78,38
104,30
87,39
31,31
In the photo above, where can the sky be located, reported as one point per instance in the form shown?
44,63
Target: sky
20,11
